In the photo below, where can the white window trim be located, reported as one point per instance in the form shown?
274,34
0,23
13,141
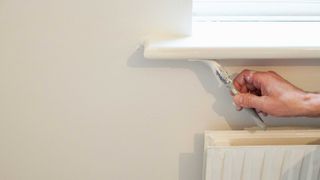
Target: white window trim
256,18
257,10
245,38
240,40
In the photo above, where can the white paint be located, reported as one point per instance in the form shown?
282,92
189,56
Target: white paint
240,40
78,101
256,8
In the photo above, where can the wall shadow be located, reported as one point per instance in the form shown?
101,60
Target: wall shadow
190,164
223,101
223,105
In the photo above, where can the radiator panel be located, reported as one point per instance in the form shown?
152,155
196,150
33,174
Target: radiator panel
296,161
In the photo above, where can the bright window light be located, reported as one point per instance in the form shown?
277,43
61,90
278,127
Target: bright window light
256,10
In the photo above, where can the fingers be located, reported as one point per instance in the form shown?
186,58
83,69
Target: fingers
241,81
251,81
254,90
239,108
245,81
249,101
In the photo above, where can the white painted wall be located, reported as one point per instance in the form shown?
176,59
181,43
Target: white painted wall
78,100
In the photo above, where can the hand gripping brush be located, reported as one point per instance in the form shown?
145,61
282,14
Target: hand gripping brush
228,82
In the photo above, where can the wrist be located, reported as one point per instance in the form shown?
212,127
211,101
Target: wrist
311,104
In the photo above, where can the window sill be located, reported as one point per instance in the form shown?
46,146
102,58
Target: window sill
240,40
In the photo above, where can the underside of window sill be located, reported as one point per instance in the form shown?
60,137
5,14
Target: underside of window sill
240,40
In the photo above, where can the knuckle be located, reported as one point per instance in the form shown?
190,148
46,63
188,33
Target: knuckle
239,100
259,77
260,74
273,75
271,72
246,100
249,100
245,71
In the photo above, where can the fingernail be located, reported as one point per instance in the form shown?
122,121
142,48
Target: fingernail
248,79
238,108
231,94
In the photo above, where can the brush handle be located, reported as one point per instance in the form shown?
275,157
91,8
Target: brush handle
256,118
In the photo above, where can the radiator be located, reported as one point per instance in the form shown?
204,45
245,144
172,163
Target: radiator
262,155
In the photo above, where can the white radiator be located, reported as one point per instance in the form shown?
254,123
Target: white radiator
262,155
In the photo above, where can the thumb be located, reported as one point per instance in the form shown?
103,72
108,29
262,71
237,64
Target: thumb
248,100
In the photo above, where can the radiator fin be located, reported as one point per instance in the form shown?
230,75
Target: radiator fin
297,162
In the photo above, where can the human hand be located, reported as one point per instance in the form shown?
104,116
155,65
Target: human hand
269,93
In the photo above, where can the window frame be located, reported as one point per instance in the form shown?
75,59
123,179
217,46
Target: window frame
254,10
